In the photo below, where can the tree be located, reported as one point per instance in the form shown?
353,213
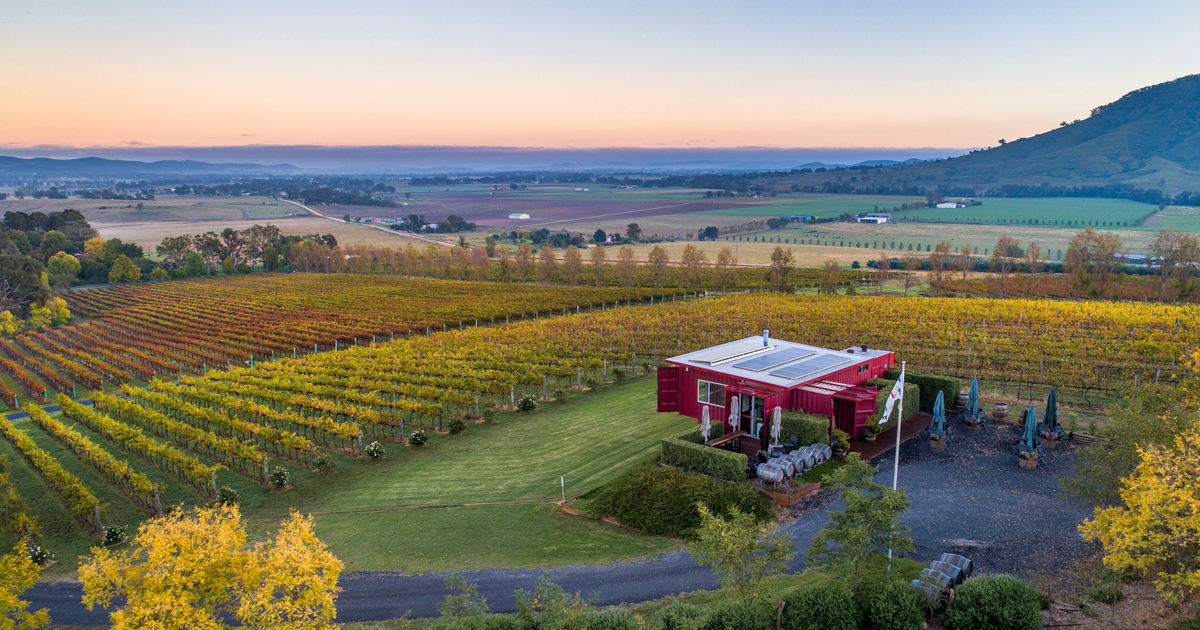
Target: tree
1092,258
726,268
174,249
53,242
782,264
599,256
626,266
882,268
744,551
480,263
572,260
777,223
1002,261
1178,256
693,262
869,522
227,265
964,260
506,265
549,264
193,570
489,245
599,237
63,264
17,573
633,232
1157,530
194,266
161,274
1033,265
659,261
270,257
93,249
829,277
939,266
911,263
123,270
523,260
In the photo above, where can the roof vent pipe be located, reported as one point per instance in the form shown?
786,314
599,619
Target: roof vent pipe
766,337
864,347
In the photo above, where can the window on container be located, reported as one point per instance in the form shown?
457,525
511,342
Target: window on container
710,393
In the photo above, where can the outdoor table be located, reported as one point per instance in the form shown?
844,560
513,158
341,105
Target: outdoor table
728,441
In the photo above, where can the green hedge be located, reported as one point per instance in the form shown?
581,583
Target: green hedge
912,398
994,601
930,385
825,607
809,428
662,500
687,451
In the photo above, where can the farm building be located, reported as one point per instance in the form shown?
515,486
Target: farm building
950,204
875,217
762,373
518,215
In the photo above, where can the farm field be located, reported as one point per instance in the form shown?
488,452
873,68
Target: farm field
1050,210
138,332
296,412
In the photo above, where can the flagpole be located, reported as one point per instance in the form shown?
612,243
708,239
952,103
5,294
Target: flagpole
899,419
896,466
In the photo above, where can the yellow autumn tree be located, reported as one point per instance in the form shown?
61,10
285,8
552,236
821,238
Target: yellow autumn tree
1157,530
193,570
17,573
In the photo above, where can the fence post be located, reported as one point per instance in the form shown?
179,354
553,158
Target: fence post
214,483
476,405
266,475
99,528
512,395
360,446
543,386
157,503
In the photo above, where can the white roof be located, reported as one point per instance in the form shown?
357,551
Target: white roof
778,363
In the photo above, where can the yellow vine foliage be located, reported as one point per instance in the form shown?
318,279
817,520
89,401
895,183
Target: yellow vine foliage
1157,531
17,573
194,571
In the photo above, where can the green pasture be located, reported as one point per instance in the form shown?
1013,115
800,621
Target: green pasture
519,457
1049,211
818,205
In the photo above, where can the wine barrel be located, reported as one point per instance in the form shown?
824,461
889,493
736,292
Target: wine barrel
963,399
1000,412
961,562
951,570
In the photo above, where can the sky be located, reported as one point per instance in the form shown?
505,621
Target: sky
962,74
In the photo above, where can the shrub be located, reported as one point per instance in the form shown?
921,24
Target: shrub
527,403
893,606
325,463
808,428
39,556
374,450
994,601
114,535
489,414
227,496
681,616
243,268
929,384
742,615
609,619
591,383
1105,594
662,500
618,375
560,395
686,451
824,607
280,477
418,437
456,425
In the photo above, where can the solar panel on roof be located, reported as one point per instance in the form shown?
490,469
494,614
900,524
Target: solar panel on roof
773,359
811,366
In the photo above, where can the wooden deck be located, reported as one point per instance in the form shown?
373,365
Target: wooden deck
887,440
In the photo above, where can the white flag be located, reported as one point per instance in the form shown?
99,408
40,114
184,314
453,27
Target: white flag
897,391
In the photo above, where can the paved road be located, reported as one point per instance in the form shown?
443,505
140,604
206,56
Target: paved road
971,500
431,241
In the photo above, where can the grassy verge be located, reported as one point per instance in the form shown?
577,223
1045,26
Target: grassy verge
820,473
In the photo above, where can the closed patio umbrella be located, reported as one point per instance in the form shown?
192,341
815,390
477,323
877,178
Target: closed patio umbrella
735,414
1029,437
973,397
1051,420
939,413
705,424
776,424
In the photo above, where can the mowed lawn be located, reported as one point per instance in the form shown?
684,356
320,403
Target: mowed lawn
585,441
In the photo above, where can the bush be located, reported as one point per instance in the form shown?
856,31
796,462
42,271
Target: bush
243,268
912,398
808,428
456,425
687,451
994,602
418,437
374,450
608,619
618,375
325,463
824,607
591,383
227,496
742,615
280,477
39,556
929,384
662,500
489,414
527,403
1105,594
114,535
893,606
560,395
681,616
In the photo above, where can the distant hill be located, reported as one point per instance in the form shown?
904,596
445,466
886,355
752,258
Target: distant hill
1149,138
100,167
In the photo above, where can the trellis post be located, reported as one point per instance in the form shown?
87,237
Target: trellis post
266,475
157,503
214,481
476,405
